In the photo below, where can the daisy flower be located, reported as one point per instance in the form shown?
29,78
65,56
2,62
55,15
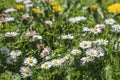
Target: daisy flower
56,62
31,33
26,72
45,52
86,59
86,29
10,10
4,50
11,34
100,26
85,44
15,53
101,41
100,51
46,65
96,30
48,22
11,59
36,37
69,36
92,52
75,51
30,61
109,21
116,28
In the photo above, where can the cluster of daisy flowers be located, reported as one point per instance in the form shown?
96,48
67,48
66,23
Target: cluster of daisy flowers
12,55
114,26
96,30
99,27
55,62
91,51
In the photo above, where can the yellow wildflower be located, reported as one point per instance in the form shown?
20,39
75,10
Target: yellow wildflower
36,11
114,8
94,7
20,6
57,9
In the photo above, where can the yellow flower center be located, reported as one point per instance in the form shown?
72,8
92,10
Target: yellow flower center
30,61
12,59
46,65
26,71
4,51
85,44
87,58
16,53
91,53
55,62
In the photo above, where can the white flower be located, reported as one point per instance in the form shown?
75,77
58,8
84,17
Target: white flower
117,45
11,34
26,1
116,28
45,52
19,1
29,5
26,72
92,52
56,62
15,53
110,21
10,10
30,61
69,36
11,59
7,19
100,26
75,51
77,19
101,41
25,16
46,65
48,22
85,44
68,56
86,29
4,50
100,51
36,37
86,59
31,33
96,30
